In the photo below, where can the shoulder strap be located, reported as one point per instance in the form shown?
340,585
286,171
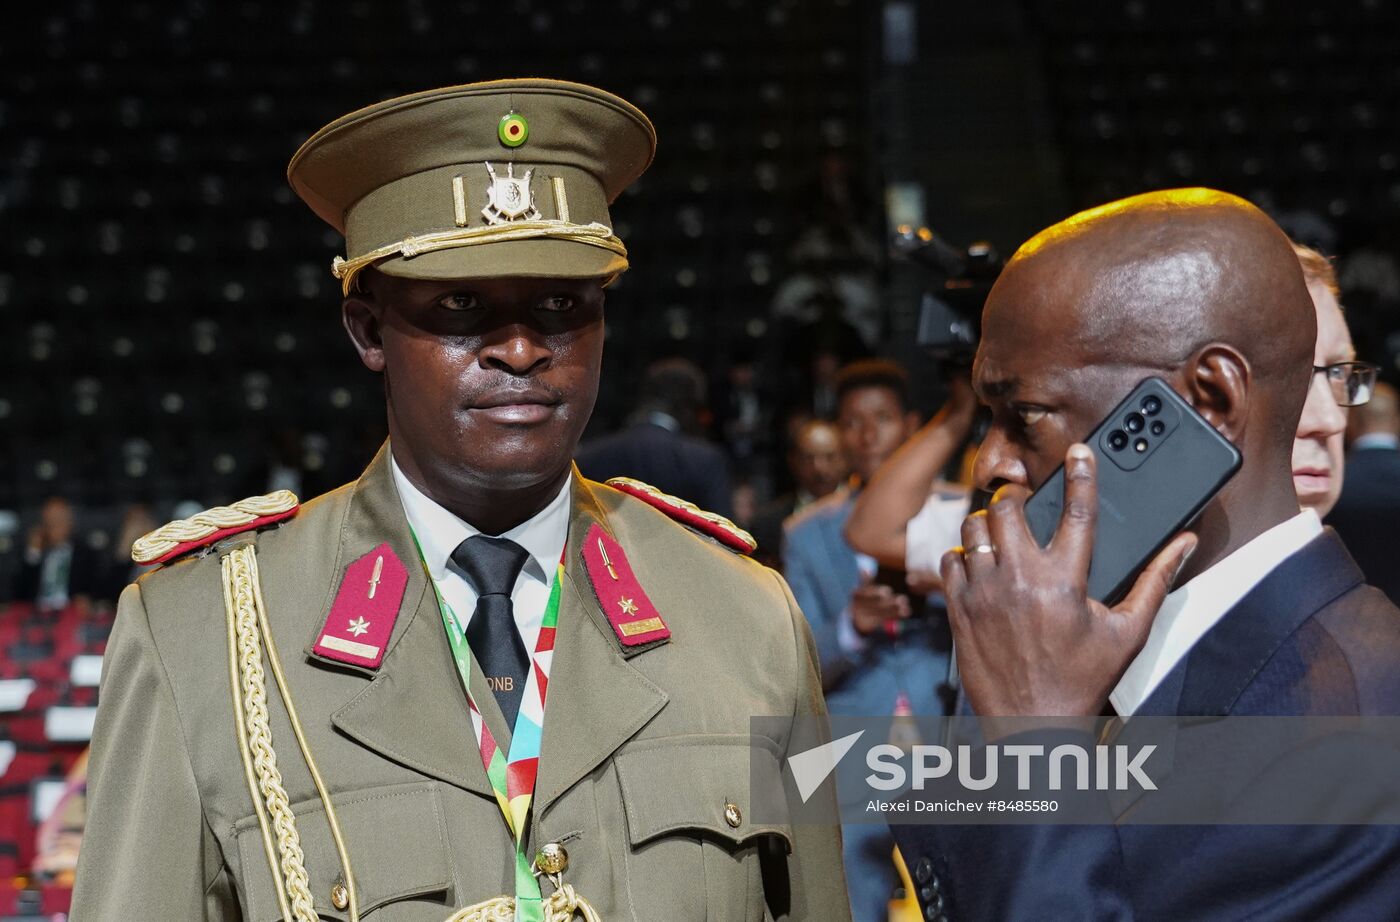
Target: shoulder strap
709,524
177,538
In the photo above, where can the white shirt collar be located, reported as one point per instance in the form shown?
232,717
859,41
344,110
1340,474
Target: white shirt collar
439,531
1193,609
664,420
1375,440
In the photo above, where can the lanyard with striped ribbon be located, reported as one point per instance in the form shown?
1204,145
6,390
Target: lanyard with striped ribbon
512,774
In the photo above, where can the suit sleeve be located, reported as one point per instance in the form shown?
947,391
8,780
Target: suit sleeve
823,618
147,850
809,883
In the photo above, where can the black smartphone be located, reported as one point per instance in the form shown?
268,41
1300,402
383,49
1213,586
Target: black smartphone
1159,463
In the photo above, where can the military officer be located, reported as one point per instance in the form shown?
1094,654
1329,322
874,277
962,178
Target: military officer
471,684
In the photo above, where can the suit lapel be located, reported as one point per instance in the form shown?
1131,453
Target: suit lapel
414,711
596,700
1223,663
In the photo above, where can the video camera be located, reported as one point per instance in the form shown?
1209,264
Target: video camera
950,314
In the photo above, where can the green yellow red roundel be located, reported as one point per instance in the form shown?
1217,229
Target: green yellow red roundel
513,129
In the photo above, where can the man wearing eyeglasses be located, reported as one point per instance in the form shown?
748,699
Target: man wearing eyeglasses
1339,381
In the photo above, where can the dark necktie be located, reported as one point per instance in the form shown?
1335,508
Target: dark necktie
492,565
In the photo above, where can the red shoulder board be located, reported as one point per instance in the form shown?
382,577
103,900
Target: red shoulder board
181,536
689,514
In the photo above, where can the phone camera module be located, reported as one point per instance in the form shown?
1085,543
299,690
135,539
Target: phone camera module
1134,422
1140,446
1118,440
1152,405
1157,427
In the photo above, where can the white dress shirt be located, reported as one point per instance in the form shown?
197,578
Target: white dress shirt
439,532
1193,609
935,529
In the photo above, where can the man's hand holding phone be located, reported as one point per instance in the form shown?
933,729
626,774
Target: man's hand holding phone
1030,640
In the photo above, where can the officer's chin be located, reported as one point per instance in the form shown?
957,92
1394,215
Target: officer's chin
515,456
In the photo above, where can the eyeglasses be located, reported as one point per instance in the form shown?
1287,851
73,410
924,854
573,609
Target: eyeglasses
1352,383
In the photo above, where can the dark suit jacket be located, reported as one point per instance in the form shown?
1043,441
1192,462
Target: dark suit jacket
87,575
1367,516
1310,639
673,462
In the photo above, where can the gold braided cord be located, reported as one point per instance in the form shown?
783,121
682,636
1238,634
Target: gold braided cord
559,906
239,573
235,680
249,634
594,234
150,547
275,662
675,502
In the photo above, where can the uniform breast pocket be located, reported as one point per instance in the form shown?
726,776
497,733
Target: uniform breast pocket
396,838
695,848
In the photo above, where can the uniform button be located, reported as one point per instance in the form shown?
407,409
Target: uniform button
927,893
923,871
552,858
340,896
733,816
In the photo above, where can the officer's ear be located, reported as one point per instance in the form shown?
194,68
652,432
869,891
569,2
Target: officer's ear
361,314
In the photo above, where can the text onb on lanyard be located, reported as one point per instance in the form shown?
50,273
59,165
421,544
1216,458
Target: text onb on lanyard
512,776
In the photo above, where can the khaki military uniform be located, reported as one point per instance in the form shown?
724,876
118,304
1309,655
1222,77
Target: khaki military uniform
644,772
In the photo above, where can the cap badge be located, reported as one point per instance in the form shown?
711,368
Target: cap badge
513,129
509,199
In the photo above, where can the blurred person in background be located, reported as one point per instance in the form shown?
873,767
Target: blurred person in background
746,420
876,659
57,569
1367,515
136,521
908,515
818,467
61,833
1339,381
663,442
291,460
744,499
